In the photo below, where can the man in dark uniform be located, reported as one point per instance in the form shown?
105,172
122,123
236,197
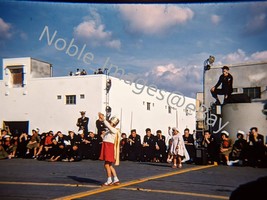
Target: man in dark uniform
101,128
134,142
226,80
82,123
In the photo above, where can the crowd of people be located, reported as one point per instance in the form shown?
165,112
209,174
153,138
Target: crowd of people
176,148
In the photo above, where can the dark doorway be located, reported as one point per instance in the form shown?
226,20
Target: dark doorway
17,127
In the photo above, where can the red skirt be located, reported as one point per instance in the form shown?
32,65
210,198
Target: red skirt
107,152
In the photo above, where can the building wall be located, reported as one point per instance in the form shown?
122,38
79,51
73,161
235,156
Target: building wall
131,107
38,102
233,114
244,75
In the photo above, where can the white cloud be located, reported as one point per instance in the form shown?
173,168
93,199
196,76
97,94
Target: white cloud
260,56
151,19
187,80
240,57
215,19
235,57
5,29
92,31
257,21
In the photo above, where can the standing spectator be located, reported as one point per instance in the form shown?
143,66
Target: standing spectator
169,144
161,149
189,144
78,72
83,122
110,151
178,150
134,142
226,80
101,128
226,147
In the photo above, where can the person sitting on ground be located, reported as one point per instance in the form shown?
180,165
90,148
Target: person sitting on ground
134,142
189,144
33,143
124,148
22,144
149,147
161,148
74,154
256,148
226,147
57,151
209,143
3,153
238,153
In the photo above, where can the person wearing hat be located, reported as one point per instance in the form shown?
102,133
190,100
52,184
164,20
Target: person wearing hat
226,82
82,123
178,149
110,150
239,148
226,147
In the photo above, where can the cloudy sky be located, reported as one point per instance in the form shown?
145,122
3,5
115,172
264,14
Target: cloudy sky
161,44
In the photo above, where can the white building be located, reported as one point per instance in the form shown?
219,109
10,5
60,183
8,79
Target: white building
31,97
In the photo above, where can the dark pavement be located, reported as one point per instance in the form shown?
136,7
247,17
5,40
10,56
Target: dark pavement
22,179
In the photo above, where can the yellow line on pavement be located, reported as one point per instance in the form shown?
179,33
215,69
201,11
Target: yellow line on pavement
108,188
177,193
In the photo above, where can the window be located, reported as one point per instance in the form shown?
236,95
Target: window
17,76
59,97
169,109
70,99
148,105
235,90
253,92
82,96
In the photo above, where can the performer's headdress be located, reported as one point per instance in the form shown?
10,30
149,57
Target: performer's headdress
114,120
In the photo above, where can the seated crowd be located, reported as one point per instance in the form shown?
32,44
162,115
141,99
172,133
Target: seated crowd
247,150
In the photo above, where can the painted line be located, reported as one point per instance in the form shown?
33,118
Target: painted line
108,188
177,193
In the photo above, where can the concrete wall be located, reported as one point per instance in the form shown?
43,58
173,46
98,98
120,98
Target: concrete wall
243,116
244,75
132,109
38,102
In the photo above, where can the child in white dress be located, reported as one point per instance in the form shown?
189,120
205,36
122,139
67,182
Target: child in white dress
178,150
